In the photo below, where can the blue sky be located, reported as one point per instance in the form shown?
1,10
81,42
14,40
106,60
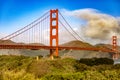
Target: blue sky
15,14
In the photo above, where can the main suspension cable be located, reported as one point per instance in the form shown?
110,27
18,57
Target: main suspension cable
26,26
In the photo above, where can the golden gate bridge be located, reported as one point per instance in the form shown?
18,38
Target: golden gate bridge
54,23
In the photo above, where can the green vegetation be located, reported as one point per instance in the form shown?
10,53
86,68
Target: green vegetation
96,61
28,68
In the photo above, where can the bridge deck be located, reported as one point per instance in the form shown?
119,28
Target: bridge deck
51,47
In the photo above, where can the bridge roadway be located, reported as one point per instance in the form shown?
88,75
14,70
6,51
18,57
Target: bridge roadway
36,47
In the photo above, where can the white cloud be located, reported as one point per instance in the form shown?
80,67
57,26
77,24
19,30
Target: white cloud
99,26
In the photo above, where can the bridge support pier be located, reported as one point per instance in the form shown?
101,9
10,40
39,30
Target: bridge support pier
51,54
115,56
54,31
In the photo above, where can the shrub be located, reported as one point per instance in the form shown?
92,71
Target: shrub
68,76
107,61
111,74
11,62
96,61
21,75
116,66
101,67
85,75
93,75
81,67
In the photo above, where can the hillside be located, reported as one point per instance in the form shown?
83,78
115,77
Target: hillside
76,44
7,42
37,44
83,53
